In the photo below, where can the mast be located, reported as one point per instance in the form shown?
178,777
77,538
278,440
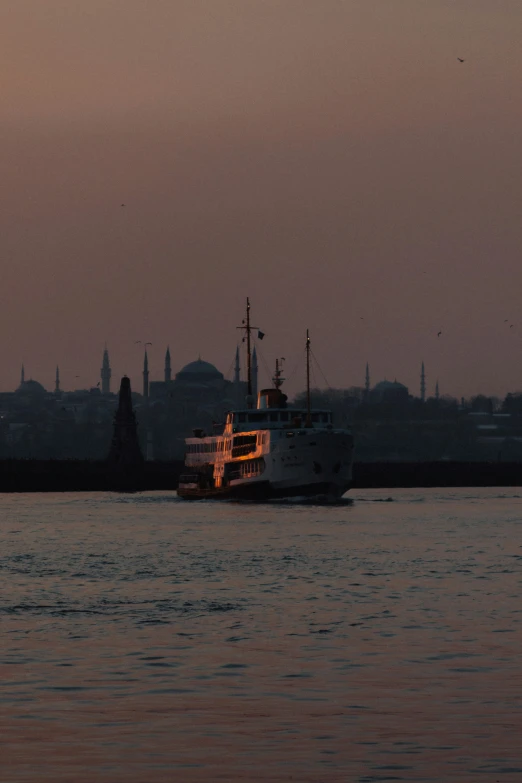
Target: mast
249,353
246,325
308,405
278,380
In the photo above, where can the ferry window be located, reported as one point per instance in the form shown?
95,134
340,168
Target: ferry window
283,416
241,417
257,416
324,418
274,417
315,417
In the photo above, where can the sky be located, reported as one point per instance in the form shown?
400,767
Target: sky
330,159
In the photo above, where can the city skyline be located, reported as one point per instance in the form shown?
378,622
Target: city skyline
108,379
335,160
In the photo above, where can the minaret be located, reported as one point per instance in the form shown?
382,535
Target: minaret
254,374
367,381
146,376
423,384
237,369
22,375
237,380
437,390
57,381
106,373
168,371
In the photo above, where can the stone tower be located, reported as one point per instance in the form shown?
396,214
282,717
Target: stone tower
168,370
437,390
22,375
57,381
125,449
423,384
106,373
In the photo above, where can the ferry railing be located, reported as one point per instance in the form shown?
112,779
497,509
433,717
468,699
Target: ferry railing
242,451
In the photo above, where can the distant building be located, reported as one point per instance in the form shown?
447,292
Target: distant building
106,373
389,392
167,370
199,395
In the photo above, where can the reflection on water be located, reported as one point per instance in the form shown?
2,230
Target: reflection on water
148,639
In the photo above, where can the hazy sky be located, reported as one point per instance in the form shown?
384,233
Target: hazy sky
329,158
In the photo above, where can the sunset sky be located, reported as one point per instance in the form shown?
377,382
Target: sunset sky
331,159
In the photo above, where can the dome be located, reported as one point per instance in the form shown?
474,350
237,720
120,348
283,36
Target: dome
31,387
199,372
390,386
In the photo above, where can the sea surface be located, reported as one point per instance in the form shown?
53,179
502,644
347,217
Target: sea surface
146,639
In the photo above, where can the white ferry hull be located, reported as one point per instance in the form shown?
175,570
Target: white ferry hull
312,463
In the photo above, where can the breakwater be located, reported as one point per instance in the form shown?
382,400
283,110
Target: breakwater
90,476
85,476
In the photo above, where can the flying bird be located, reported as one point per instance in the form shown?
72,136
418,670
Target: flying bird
460,60
123,205
439,334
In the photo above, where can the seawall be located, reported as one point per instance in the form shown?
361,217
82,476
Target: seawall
89,476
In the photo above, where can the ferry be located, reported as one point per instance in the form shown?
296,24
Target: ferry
270,451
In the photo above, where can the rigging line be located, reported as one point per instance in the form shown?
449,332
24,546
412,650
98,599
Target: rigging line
298,364
314,379
320,369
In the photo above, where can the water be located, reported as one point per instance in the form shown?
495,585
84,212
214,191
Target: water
148,639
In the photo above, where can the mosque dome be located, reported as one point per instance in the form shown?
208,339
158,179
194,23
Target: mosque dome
390,386
389,391
31,387
199,372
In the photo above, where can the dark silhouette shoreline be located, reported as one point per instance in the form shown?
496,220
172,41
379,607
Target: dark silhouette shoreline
90,476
